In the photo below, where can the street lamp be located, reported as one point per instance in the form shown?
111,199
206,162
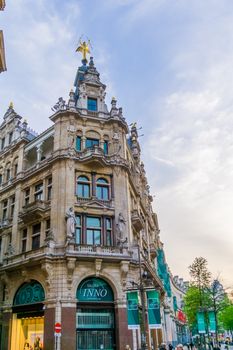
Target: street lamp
140,287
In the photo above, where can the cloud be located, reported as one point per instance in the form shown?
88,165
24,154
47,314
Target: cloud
194,131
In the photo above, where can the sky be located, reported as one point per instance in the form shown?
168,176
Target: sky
169,63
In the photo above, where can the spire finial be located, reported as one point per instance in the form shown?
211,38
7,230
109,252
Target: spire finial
84,48
11,105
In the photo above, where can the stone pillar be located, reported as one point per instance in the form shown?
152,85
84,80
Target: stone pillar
5,338
49,322
124,336
68,324
83,141
39,151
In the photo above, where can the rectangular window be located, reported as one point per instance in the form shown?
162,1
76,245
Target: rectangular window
10,137
39,192
105,147
78,143
8,173
24,240
12,203
78,230
90,143
36,236
3,143
0,179
15,169
92,104
48,226
93,230
4,210
26,196
49,188
108,222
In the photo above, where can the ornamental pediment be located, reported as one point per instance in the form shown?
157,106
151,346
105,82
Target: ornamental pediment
94,203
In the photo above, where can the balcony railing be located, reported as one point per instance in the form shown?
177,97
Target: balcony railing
111,251
37,208
137,220
5,223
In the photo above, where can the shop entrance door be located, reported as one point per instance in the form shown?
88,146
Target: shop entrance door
95,329
95,339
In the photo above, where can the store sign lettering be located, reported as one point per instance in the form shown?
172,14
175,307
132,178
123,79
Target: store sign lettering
96,293
94,289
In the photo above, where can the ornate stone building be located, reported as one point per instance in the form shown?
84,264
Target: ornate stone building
77,229
2,49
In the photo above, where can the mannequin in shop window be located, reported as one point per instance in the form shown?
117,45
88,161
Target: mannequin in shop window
37,344
26,345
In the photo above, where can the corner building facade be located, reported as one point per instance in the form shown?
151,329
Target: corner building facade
77,230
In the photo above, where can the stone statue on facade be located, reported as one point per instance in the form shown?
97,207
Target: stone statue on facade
121,228
121,224
60,105
70,223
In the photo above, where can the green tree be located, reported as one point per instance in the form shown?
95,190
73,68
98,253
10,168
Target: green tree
192,301
199,273
226,317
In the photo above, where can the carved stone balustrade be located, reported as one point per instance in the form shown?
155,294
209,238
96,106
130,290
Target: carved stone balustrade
137,220
34,210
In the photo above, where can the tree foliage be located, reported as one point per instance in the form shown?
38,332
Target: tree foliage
193,301
226,317
199,273
205,296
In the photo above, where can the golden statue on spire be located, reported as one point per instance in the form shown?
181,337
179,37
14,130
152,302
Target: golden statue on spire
84,48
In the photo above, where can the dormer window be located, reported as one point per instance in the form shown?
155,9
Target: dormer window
10,137
92,104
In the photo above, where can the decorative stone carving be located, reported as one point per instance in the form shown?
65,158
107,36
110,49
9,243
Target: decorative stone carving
10,250
59,106
98,266
47,268
71,262
124,272
70,224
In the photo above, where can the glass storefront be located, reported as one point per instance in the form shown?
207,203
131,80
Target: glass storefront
28,318
27,333
95,316
95,329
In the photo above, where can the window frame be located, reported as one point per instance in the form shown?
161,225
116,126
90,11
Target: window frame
49,188
27,196
83,185
92,104
10,137
94,142
24,240
36,236
12,206
5,210
39,193
102,186
78,145
105,231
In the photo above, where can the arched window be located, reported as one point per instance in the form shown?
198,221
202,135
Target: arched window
102,189
83,187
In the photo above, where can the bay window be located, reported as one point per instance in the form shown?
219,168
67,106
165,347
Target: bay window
93,230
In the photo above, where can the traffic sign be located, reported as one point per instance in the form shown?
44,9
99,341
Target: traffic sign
57,327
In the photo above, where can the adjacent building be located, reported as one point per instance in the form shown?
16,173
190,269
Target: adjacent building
2,49
173,319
